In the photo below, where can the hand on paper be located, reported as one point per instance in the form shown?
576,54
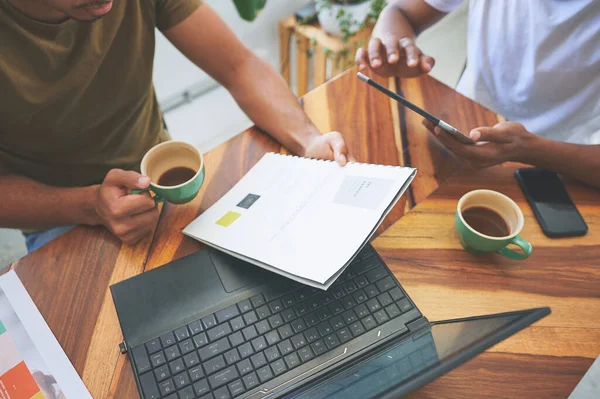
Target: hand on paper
329,146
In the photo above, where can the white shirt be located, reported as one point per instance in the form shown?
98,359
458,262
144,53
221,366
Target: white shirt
536,62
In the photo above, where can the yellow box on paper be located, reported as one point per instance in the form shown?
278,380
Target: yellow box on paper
228,219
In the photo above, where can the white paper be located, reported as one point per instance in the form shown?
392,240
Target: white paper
35,343
302,218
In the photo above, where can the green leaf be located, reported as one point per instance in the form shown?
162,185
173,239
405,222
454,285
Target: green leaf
249,9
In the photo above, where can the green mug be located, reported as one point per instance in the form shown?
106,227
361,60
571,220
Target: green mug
170,161
478,243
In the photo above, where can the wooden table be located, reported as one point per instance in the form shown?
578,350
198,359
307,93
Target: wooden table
69,278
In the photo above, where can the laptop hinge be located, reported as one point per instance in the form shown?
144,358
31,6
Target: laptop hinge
123,348
417,325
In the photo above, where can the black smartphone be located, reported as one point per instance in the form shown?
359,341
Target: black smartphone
553,208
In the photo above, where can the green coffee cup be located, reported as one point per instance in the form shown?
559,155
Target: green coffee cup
479,243
176,171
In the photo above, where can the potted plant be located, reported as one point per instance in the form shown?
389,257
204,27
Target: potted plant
346,17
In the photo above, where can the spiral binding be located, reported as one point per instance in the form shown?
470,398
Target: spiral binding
349,162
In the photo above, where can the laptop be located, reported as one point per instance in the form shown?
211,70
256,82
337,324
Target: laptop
211,326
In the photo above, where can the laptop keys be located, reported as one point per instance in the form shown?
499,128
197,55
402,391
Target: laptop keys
386,284
149,386
305,354
181,380
232,356
186,346
264,374
167,340
182,334
404,305
191,359
166,387
200,340
218,332
245,306
186,393
236,349
262,327
162,373
172,353
176,366
140,357
381,316
153,346
376,274
276,306
356,328
332,341
223,377
158,359
250,381
221,393
245,367
272,354
257,300
318,347
344,335
236,388
369,322
292,360
227,314
196,373
237,323
209,321
201,387
214,365
195,327
214,349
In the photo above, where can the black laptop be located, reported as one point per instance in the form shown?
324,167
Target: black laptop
211,326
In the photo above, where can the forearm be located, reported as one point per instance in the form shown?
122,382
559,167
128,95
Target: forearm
27,204
265,97
581,162
406,18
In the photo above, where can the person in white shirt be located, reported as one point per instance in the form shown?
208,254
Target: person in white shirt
535,62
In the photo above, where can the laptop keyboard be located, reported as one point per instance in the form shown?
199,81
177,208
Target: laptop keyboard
234,350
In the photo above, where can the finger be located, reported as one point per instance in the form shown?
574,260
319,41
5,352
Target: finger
361,59
392,48
489,134
426,63
412,52
127,179
375,52
340,150
134,237
351,158
429,125
133,204
140,222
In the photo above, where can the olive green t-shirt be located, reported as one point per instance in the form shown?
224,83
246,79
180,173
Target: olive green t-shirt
76,98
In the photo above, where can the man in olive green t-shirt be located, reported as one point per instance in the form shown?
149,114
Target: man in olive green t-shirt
78,109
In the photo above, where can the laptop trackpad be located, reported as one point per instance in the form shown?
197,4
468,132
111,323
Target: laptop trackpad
235,273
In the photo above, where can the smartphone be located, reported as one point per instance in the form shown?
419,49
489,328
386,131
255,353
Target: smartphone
553,208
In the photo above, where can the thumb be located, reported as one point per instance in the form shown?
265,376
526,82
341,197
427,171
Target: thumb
340,151
488,134
127,179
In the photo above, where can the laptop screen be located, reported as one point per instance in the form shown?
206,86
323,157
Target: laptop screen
400,364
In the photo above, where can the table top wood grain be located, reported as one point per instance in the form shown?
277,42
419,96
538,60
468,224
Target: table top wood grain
69,278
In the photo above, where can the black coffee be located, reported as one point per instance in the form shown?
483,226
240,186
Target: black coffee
176,176
486,221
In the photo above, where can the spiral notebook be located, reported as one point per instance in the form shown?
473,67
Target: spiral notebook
302,218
